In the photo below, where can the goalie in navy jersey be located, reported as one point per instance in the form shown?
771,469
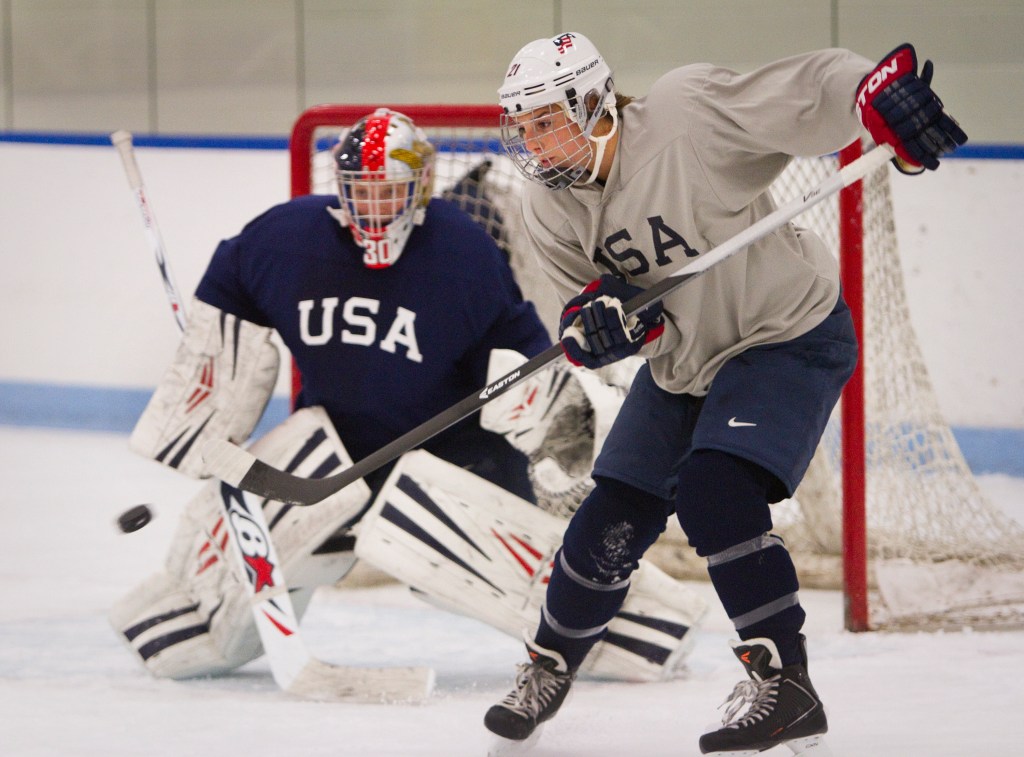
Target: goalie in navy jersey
393,304
389,301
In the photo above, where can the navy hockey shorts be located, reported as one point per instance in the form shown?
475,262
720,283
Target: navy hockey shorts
769,405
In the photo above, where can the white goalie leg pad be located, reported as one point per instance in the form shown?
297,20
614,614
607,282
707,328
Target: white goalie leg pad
473,548
217,387
194,617
460,540
161,600
652,634
559,418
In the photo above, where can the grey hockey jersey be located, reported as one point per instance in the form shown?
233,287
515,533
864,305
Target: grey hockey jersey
693,166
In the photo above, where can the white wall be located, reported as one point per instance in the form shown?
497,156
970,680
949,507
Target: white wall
81,301
251,66
961,232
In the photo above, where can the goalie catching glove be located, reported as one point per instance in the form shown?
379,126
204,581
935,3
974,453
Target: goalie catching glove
559,418
594,329
899,108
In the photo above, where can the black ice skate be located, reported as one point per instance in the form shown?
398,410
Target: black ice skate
541,687
783,707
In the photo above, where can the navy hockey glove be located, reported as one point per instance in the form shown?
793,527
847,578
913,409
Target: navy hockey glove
594,330
899,108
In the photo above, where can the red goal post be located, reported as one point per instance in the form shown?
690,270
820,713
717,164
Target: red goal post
851,266
888,488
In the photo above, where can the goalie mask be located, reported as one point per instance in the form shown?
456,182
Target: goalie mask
555,92
384,169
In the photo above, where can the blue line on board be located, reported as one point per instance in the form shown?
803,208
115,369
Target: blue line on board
971,151
82,408
87,408
177,141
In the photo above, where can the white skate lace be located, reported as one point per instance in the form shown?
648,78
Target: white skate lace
760,695
535,687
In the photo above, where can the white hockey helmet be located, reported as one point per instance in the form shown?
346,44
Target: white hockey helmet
384,167
565,71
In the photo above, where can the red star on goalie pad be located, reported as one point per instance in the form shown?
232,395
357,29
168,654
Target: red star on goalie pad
261,572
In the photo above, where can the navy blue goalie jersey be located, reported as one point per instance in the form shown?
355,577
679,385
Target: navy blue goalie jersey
382,350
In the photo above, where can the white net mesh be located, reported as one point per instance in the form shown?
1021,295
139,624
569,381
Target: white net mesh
924,507
940,555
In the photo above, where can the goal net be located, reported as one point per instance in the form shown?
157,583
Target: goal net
889,510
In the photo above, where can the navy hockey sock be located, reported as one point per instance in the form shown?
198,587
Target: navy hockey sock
757,584
602,546
723,507
576,612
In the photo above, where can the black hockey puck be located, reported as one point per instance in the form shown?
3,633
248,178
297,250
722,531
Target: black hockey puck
134,518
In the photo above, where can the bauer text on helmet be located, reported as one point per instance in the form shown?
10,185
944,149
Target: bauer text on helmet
555,92
384,168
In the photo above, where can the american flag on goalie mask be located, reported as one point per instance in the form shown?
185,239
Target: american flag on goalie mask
563,43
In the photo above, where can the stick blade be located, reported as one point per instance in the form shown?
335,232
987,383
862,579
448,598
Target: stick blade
324,682
228,462
241,469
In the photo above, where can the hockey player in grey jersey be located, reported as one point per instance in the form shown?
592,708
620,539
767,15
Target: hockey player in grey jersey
743,365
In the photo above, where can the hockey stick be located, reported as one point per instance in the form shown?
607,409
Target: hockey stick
294,669
234,464
122,140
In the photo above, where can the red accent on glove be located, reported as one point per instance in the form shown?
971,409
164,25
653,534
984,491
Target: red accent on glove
655,331
898,63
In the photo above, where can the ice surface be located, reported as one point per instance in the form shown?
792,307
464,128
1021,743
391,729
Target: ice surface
69,687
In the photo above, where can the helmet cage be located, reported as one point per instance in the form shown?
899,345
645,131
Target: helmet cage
566,71
384,173
572,141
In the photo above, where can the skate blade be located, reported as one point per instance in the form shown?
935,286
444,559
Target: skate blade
809,746
502,747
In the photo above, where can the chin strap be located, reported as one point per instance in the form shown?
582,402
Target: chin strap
602,141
